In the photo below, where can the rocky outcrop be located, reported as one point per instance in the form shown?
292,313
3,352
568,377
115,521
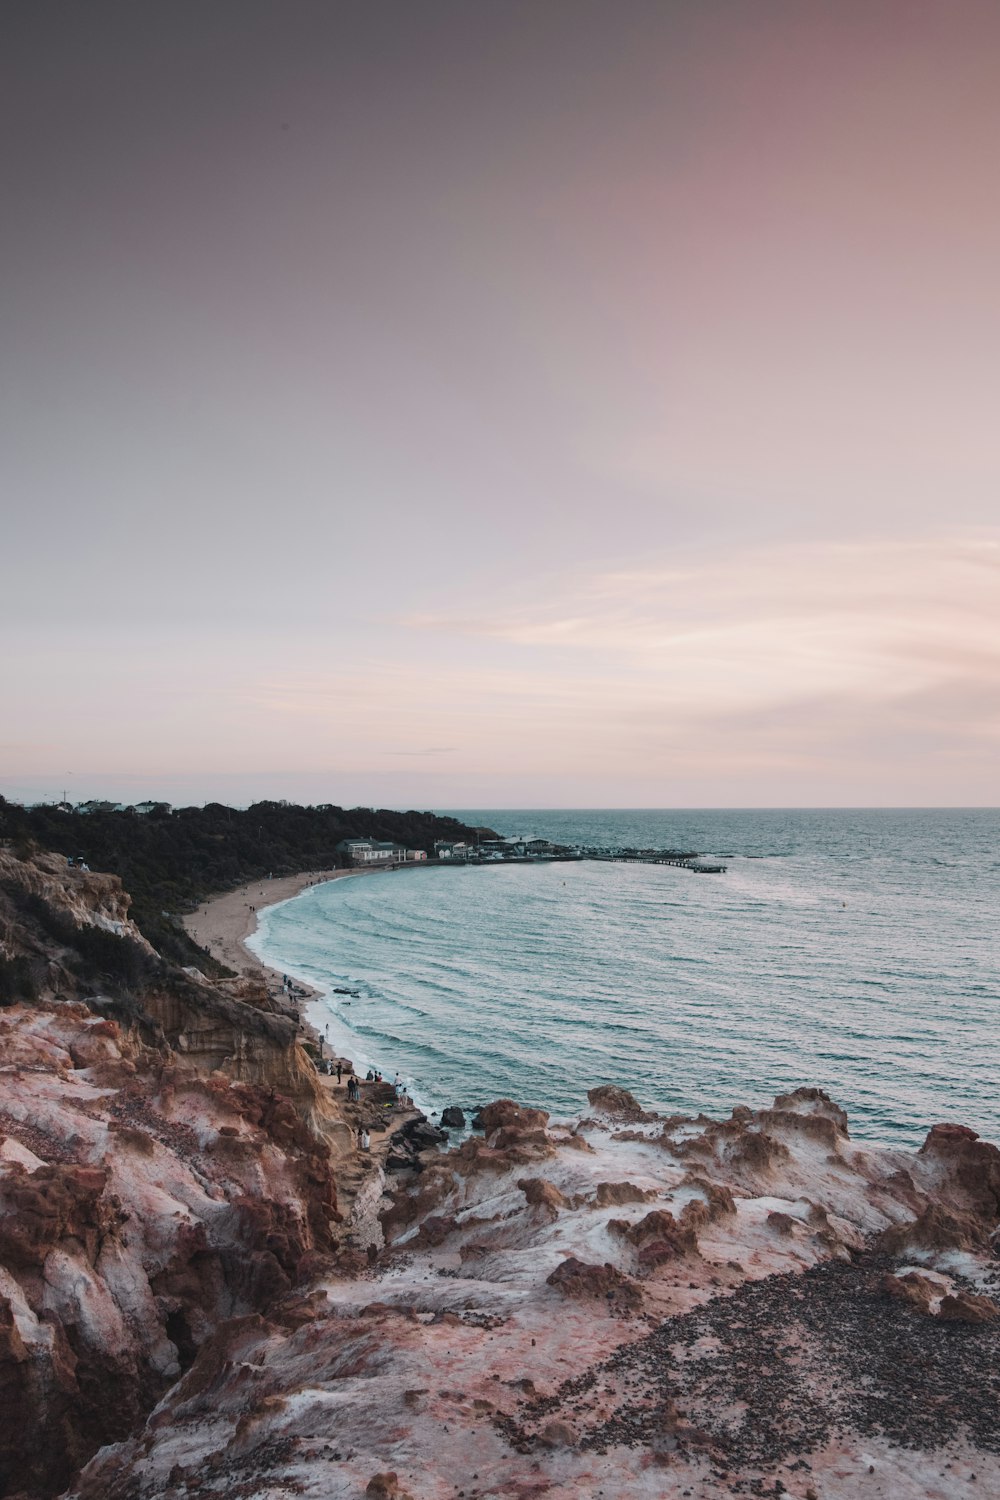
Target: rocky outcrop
617,1104
964,1170
704,1306
504,1114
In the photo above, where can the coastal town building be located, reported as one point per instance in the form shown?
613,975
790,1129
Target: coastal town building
450,850
371,851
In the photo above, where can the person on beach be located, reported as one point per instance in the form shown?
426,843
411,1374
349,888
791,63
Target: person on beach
339,1070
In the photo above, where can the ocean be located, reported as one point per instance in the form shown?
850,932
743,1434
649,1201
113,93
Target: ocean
854,950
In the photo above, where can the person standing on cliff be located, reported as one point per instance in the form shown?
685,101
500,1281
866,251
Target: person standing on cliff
340,1070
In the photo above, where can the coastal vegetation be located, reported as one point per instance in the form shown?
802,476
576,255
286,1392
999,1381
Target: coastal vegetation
169,859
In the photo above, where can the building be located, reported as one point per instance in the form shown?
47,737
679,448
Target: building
449,850
371,851
413,855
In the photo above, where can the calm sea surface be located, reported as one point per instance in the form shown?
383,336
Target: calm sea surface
854,950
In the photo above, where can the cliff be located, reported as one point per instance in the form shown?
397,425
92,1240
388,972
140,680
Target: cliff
166,1162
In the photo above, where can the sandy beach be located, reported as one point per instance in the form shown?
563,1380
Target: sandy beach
223,924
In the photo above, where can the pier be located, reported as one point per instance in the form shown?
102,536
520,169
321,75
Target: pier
693,862
542,851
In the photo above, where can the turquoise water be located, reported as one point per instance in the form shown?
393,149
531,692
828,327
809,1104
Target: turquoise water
854,950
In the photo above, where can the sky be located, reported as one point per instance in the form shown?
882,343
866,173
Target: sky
501,404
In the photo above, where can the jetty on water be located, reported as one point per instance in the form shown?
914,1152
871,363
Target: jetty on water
534,850
696,863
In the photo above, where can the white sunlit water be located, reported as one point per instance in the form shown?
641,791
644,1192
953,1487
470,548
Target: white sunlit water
852,950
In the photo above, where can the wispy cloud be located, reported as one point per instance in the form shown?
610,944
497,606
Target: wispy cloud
832,661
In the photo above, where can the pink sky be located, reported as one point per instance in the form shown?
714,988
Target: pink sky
562,404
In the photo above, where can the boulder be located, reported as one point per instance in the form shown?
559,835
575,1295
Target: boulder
452,1118
618,1104
557,1435
916,1290
386,1487
421,1135
504,1113
614,1194
967,1307
543,1194
585,1282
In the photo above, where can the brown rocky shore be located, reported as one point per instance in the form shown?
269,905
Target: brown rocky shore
204,1292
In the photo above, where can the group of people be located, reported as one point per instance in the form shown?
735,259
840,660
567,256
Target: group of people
372,1076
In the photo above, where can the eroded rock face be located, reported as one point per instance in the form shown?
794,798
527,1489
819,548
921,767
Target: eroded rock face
139,1207
966,1170
936,1229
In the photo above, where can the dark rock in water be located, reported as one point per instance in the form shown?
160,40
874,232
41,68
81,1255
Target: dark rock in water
421,1134
452,1118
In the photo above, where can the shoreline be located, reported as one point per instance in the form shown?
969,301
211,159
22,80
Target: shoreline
222,924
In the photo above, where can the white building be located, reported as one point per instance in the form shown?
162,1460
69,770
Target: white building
371,851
